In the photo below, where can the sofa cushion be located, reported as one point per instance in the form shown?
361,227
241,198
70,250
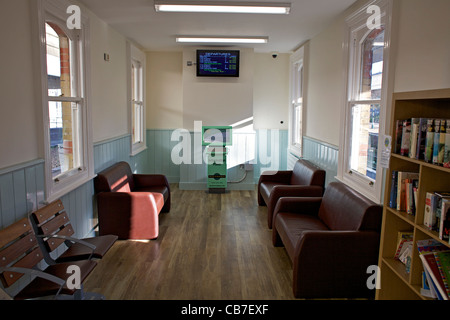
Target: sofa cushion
162,190
343,208
290,227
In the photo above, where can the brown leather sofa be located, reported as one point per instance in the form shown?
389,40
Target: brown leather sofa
304,180
129,204
331,241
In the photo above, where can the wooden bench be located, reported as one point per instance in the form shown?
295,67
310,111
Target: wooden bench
52,228
20,254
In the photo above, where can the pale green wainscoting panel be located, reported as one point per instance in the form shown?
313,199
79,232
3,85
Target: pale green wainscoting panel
159,160
320,153
22,186
21,191
264,149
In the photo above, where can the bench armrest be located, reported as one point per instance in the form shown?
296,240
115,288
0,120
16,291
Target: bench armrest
37,273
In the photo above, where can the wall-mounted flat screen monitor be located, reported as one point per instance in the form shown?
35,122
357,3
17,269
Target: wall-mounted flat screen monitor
218,63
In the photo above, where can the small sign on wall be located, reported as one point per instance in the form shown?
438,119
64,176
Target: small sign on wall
386,151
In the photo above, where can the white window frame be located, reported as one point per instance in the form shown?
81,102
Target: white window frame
370,188
55,187
138,121
297,100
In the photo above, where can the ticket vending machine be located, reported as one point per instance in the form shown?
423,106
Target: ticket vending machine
216,139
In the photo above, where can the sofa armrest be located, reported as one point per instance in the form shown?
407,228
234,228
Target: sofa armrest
292,191
282,176
300,205
148,180
130,212
289,191
337,257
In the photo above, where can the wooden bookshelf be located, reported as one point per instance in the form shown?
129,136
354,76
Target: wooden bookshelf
396,282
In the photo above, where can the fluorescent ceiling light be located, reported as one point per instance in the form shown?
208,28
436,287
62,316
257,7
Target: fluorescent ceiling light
189,39
222,7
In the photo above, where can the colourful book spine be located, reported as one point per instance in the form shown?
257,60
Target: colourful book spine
406,137
447,146
443,263
429,139
441,147
437,132
420,154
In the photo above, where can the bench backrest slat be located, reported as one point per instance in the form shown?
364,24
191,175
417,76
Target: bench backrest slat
53,243
52,220
54,224
18,248
46,212
9,234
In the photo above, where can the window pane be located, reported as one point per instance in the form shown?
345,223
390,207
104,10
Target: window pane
64,130
372,65
297,126
59,65
137,123
364,146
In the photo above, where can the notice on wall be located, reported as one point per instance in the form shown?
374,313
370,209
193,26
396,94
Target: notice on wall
386,151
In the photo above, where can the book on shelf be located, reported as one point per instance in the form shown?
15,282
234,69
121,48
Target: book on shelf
424,139
414,135
429,216
398,136
444,219
439,141
429,140
404,248
420,149
435,257
403,196
446,161
437,213
443,263
406,137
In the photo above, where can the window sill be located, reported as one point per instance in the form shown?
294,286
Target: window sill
295,151
69,186
371,192
138,150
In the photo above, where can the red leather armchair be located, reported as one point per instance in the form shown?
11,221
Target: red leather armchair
331,241
305,180
129,204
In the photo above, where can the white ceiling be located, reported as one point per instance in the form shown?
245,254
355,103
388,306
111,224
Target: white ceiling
138,21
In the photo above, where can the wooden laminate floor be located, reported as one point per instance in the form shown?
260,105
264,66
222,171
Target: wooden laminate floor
211,246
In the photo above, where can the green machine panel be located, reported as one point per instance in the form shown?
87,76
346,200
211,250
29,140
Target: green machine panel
217,168
216,138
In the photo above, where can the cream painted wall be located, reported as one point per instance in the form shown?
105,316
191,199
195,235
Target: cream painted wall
109,81
164,90
217,101
423,48
20,111
271,91
325,84
421,61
